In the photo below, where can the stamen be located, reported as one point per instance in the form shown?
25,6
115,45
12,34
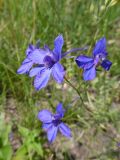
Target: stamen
48,61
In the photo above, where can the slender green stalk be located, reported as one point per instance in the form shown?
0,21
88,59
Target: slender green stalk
70,84
78,92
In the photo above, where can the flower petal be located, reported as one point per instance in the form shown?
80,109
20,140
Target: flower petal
65,130
52,133
83,60
106,64
46,47
45,116
25,67
58,44
100,47
26,60
35,71
41,79
60,110
58,72
37,56
30,49
46,126
88,65
89,74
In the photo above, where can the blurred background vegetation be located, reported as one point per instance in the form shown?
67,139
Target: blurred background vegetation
81,22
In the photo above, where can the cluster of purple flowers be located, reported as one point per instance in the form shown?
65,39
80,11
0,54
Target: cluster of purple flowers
41,63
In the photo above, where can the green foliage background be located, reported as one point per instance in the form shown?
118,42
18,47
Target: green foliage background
81,22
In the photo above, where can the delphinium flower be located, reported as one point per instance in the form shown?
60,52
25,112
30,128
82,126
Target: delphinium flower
47,63
52,123
99,57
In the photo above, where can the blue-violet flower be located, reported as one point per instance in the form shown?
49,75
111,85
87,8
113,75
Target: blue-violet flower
47,63
52,123
99,57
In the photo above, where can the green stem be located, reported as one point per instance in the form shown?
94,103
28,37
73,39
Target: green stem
70,84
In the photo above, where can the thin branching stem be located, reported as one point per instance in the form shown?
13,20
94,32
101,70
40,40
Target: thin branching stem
78,92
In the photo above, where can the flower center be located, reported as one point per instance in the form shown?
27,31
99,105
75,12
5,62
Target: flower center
56,119
98,59
56,122
49,61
